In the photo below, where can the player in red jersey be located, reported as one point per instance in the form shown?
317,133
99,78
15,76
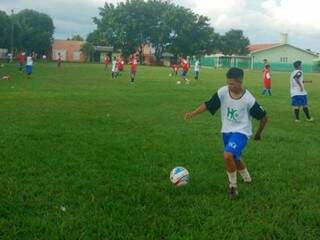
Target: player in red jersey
184,65
133,67
267,81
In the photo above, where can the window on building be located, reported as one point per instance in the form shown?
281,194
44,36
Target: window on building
284,59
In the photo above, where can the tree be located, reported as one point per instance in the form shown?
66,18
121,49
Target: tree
76,38
97,38
35,31
88,50
234,42
130,25
5,30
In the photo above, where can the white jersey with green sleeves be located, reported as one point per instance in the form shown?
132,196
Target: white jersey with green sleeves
236,114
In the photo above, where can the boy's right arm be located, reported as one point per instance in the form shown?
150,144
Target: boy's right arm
202,108
212,106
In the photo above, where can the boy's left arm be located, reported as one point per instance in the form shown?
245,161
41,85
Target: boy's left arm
260,114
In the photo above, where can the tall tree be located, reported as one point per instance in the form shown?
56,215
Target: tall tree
36,30
5,30
76,37
234,42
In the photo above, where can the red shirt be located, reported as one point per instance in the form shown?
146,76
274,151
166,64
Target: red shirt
267,78
21,58
106,60
185,65
121,65
133,65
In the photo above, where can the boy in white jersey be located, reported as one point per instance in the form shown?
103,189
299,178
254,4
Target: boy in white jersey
115,70
196,69
29,65
237,106
298,93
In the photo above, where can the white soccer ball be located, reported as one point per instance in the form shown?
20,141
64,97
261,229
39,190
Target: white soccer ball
178,82
179,176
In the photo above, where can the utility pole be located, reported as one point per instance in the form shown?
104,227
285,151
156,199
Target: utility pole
12,30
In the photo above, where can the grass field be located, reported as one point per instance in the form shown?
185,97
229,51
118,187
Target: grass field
84,156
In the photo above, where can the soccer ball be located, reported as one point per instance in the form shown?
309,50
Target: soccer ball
179,176
178,82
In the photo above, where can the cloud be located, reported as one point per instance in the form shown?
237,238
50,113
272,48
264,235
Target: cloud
261,20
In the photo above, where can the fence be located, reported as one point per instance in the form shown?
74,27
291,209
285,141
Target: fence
245,62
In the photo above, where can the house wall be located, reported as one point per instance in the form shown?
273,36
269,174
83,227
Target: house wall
281,58
70,50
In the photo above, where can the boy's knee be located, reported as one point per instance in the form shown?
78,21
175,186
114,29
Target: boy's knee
228,156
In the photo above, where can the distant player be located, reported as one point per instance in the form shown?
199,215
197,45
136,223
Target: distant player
133,67
21,59
196,69
106,61
267,81
237,106
29,66
120,65
59,63
174,69
114,67
299,98
184,70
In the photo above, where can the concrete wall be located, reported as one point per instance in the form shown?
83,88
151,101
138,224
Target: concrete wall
283,54
70,50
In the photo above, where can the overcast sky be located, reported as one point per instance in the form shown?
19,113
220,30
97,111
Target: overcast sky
261,20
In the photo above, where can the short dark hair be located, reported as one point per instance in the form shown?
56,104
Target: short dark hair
297,64
235,73
268,66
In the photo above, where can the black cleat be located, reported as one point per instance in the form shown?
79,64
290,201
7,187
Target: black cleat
233,193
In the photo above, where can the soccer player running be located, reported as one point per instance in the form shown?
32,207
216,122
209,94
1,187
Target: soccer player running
59,62
196,69
21,59
29,65
106,62
114,68
133,67
267,81
299,96
237,106
185,68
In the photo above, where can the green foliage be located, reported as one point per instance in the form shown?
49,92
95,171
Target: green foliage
76,38
5,30
132,24
103,149
234,42
88,51
35,31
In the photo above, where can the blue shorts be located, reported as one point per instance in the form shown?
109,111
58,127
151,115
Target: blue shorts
29,69
298,101
234,143
184,73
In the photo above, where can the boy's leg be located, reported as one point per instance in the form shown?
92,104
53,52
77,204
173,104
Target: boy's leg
234,144
243,171
269,91
264,92
306,111
296,111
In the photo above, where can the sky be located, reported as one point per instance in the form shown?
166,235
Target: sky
261,20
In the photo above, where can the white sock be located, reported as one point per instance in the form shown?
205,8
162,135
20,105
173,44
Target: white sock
245,175
232,178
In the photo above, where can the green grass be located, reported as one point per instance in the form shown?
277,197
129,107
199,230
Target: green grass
103,149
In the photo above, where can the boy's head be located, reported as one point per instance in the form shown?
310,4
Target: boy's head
297,64
234,79
268,66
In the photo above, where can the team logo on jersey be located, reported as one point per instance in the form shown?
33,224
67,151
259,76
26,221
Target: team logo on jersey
232,114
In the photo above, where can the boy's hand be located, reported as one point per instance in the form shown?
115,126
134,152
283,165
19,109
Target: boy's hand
188,116
257,137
